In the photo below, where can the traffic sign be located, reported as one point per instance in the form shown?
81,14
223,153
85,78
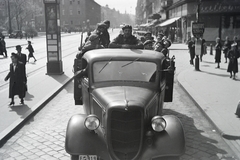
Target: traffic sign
197,29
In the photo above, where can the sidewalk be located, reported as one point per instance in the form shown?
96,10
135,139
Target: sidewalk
217,95
41,89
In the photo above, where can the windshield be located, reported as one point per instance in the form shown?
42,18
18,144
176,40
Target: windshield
123,71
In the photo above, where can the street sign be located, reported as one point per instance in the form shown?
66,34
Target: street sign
197,29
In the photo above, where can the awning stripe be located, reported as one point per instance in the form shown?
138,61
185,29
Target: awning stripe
168,22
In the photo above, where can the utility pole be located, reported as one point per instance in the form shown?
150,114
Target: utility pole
9,18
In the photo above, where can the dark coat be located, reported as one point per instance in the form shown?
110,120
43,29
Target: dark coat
191,47
22,58
105,38
31,50
17,80
233,55
218,49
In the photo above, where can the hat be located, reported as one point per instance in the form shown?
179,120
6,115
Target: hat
106,22
93,37
126,27
147,42
101,25
168,41
29,42
18,47
160,34
14,55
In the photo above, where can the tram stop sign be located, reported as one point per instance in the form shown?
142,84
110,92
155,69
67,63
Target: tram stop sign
197,29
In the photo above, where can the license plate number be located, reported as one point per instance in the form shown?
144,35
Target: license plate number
88,157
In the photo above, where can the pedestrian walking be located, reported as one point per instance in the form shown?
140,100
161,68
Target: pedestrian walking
191,48
218,49
31,51
4,50
226,47
17,76
233,56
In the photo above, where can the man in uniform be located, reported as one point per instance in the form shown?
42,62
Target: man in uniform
126,40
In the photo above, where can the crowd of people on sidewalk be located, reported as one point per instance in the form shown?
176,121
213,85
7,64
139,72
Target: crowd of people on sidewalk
228,48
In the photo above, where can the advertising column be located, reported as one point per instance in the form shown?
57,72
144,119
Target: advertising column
53,37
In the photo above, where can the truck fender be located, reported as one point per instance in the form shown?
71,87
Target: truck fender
81,141
170,142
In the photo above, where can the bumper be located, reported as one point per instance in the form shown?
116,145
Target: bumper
81,141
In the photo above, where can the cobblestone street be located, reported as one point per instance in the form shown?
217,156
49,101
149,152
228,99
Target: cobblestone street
42,138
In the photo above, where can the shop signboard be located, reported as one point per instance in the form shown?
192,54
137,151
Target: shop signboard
197,29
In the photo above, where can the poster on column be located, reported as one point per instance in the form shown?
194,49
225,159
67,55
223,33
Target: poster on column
51,19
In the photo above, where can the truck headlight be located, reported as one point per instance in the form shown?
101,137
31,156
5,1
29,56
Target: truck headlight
92,122
158,123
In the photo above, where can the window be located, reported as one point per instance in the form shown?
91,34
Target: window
78,2
71,22
78,12
70,12
123,71
71,2
63,12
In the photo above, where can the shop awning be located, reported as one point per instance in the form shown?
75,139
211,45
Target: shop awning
153,23
168,22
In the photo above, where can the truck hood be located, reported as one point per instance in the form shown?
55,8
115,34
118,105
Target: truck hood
123,96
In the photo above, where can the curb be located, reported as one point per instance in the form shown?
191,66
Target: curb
18,124
187,89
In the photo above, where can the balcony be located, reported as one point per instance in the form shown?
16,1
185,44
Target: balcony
166,3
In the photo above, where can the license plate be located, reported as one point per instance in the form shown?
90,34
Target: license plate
88,157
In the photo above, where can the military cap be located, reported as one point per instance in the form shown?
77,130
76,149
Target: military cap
106,22
126,27
18,47
101,25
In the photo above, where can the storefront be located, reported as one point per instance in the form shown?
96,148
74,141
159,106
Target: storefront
220,18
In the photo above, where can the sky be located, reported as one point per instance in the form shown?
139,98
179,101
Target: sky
120,5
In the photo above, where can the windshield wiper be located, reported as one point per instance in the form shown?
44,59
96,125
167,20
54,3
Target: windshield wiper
105,65
130,62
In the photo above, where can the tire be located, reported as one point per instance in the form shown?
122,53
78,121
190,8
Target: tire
168,158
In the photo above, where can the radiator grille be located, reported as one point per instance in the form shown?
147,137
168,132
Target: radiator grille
125,136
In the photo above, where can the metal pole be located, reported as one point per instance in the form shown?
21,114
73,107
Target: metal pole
197,57
9,19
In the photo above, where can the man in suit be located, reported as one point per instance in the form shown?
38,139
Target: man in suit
17,76
21,57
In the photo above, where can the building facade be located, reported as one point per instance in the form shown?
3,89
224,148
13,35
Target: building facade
221,18
74,15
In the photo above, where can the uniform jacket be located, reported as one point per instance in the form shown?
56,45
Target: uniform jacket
17,80
132,41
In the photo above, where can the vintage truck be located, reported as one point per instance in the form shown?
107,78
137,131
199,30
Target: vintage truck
123,92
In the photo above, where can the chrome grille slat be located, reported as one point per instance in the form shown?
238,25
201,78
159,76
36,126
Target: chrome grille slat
125,133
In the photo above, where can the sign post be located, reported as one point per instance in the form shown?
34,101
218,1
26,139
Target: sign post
197,31
53,37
